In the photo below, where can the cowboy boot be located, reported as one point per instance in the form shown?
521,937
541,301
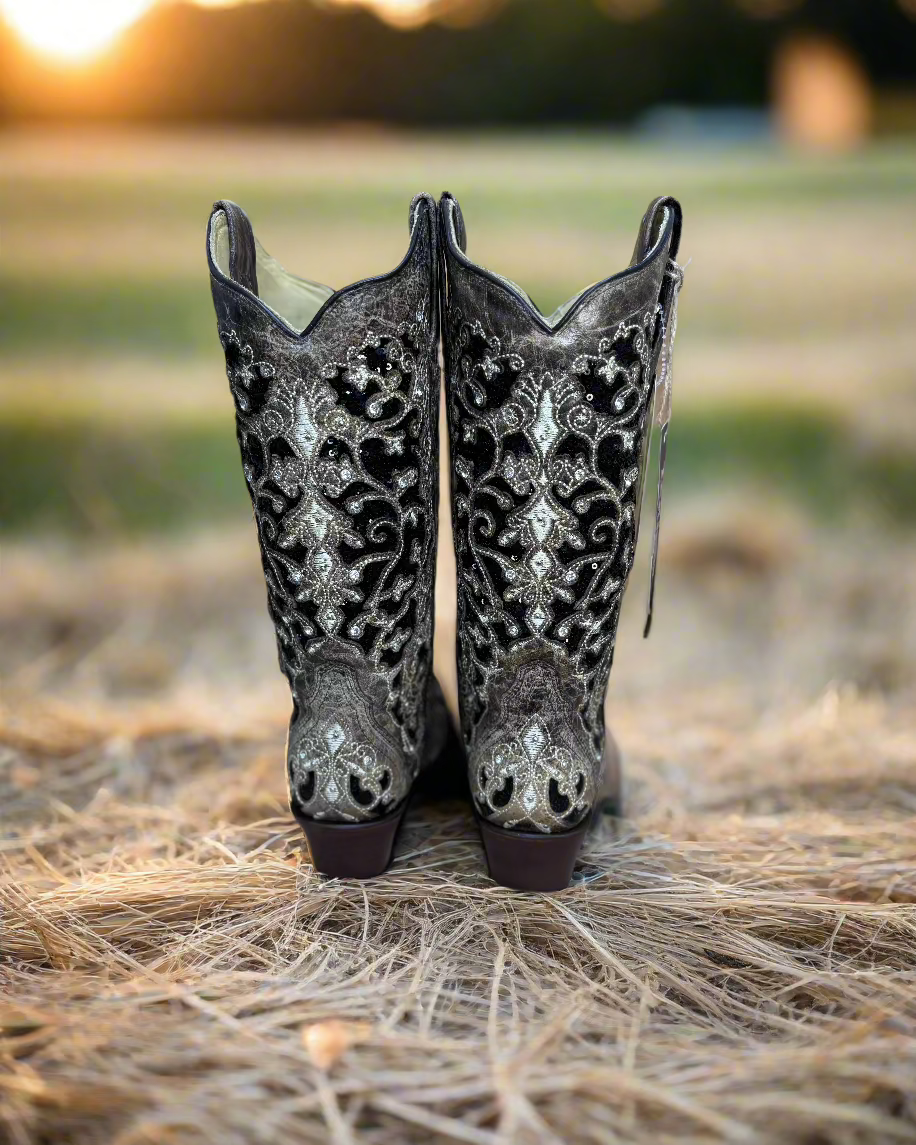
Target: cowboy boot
549,423
336,396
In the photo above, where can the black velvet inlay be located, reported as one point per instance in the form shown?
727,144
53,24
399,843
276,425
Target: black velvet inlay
558,801
305,788
359,794
502,797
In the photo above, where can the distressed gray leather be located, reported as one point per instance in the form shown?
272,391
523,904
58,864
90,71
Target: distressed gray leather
549,424
337,430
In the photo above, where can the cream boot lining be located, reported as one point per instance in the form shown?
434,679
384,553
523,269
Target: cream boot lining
556,317
295,300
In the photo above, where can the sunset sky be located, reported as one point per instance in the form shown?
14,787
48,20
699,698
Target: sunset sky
77,33
73,32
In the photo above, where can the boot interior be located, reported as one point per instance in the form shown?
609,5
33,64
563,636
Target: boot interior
645,245
648,240
294,300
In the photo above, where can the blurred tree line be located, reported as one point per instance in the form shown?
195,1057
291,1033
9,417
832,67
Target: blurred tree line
507,62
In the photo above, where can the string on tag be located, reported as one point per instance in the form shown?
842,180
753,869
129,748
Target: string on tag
664,377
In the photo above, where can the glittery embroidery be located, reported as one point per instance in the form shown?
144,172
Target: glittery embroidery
337,437
547,438
532,763
345,758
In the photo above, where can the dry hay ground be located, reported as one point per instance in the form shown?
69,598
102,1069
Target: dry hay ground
736,962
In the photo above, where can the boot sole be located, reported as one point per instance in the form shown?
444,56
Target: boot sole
352,850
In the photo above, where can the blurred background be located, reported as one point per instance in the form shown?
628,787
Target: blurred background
786,127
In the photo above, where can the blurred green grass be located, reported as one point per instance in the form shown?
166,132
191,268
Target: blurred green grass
603,179
169,320
104,271
85,478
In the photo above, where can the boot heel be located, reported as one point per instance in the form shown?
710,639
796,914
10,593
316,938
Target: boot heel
525,861
351,850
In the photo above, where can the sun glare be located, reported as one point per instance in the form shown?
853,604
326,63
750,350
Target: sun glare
401,13
70,31
75,32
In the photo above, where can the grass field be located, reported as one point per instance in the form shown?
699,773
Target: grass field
736,961
798,312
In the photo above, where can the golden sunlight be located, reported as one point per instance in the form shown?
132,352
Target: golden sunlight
75,32
400,13
67,30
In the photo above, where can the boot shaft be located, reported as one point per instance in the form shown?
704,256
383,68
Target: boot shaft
336,397
549,422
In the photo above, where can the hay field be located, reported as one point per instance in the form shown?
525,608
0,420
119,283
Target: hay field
736,961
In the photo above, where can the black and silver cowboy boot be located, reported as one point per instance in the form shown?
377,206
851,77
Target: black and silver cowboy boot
549,421
336,396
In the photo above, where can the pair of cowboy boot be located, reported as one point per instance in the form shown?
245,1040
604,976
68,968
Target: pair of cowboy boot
337,397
